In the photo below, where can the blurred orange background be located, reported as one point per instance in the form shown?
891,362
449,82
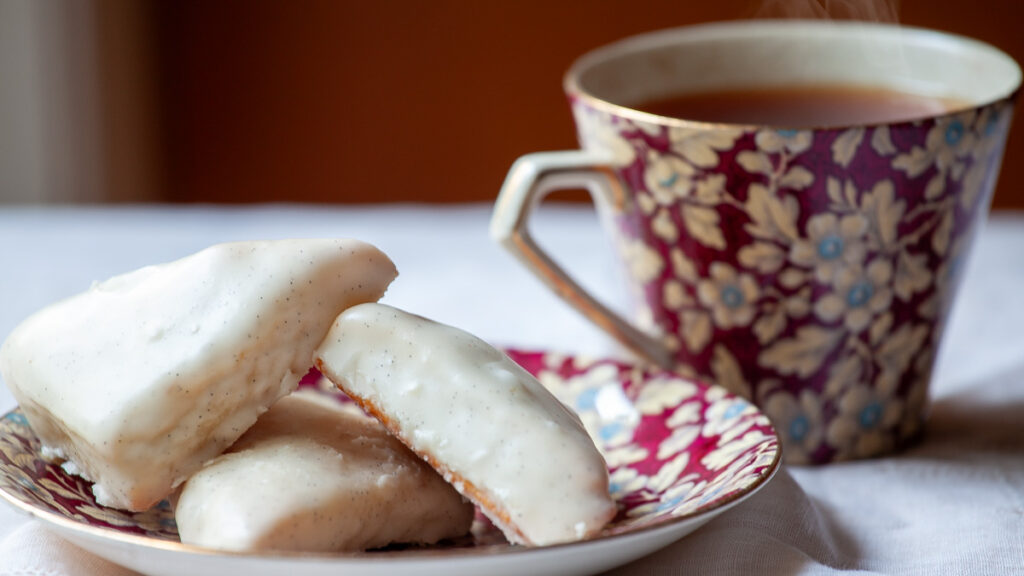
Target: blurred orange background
345,101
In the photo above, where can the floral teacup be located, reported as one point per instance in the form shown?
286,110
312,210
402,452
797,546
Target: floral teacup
809,269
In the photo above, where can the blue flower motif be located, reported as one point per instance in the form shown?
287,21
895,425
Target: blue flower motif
868,418
799,427
954,132
587,400
831,244
732,296
670,504
830,247
774,141
609,431
860,294
734,410
729,295
670,180
991,123
870,415
799,419
18,418
28,483
711,494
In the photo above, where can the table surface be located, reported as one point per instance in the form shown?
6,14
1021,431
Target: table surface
954,502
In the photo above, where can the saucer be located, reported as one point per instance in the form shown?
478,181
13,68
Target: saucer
679,453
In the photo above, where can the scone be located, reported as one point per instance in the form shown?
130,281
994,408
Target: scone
487,425
137,382
311,476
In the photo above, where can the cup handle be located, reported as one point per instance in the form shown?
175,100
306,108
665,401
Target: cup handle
531,178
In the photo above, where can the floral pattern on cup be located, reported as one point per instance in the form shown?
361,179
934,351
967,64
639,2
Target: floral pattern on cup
811,271
676,448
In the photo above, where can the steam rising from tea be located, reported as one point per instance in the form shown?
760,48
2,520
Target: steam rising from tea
864,10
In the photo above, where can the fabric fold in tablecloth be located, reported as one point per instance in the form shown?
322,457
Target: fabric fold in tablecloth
32,550
779,530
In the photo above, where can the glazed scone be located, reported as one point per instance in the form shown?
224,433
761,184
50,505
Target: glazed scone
137,382
311,476
481,420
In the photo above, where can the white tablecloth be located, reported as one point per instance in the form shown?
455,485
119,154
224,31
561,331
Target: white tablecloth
953,504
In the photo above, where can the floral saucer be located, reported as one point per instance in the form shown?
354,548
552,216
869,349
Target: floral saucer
679,452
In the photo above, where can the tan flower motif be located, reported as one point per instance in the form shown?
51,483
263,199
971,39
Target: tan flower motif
669,473
682,497
726,453
858,295
649,128
884,211
644,262
728,417
990,127
626,480
19,478
727,372
798,421
153,517
668,178
597,131
775,314
979,179
664,227
831,244
663,393
731,460
700,146
896,352
845,371
864,423
947,147
625,455
678,441
683,494
674,295
775,141
729,295
687,413
695,327
950,141
912,275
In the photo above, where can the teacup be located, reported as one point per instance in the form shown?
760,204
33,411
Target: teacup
809,268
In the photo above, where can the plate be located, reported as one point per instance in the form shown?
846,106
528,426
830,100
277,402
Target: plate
679,453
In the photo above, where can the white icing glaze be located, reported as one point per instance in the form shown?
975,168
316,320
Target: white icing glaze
312,477
479,416
145,376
